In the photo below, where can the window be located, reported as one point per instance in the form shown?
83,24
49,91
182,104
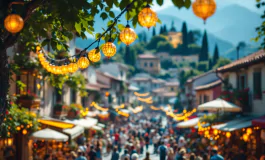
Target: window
172,89
205,99
145,64
73,96
242,82
151,64
257,93
200,99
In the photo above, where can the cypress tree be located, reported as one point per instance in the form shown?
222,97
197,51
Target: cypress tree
144,37
215,55
173,29
203,56
184,31
154,31
133,58
191,38
210,64
161,30
165,29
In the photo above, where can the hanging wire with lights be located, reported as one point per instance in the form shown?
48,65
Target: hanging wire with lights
82,60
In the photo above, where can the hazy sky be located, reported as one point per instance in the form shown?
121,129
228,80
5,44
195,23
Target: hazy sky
250,4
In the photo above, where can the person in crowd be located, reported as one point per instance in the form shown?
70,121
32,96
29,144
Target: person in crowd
155,142
216,156
192,156
80,155
115,155
181,155
98,151
125,155
147,139
147,156
92,153
134,156
162,150
171,154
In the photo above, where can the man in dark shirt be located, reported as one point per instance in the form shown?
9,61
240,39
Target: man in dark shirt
92,154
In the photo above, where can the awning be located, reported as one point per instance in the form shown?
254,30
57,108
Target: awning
260,122
234,124
74,132
189,123
86,123
219,104
56,123
98,128
49,134
101,125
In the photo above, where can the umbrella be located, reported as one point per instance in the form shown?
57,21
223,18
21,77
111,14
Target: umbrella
219,104
49,134
189,123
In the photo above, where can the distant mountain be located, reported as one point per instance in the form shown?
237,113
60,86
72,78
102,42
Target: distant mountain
231,23
232,53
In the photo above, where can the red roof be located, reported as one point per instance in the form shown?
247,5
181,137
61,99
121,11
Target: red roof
209,85
255,58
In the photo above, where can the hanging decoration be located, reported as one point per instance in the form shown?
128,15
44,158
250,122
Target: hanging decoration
14,23
204,8
127,35
141,94
109,49
82,60
94,55
147,17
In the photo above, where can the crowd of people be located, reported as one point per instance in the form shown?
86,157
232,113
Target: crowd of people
149,136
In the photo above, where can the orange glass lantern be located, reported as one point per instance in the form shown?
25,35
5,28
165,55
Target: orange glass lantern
147,17
228,134
83,62
109,49
64,69
127,35
24,131
14,23
94,55
204,8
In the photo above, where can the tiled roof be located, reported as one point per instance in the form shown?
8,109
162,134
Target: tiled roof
199,76
108,75
147,56
140,79
254,58
169,94
159,90
92,87
172,84
157,81
209,85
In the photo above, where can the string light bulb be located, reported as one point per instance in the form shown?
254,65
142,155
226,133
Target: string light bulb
127,35
83,62
147,17
109,49
94,55
14,23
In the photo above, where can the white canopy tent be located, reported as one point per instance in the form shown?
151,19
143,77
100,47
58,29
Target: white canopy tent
189,123
49,134
74,132
219,105
86,123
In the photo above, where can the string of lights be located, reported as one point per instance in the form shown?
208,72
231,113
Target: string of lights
141,94
94,104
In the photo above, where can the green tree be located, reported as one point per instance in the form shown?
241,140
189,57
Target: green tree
57,22
154,41
161,30
203,56
144,37
222,62
127,55
215,55
173,29
165,32
210,64
203,66
185,42
164,46
191,39
154,31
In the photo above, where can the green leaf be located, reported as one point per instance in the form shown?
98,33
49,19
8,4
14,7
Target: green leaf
121,27
109,3
159,21
104,15
78,27
159,2
59,46
111,14
187,3
123,4
178,3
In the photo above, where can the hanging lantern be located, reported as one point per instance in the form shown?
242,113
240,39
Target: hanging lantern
249,131
48,68
228,134
147,17
245,137
70,68
83,62
24,131
127,35
94,55
215,132
204,8
14,23
109,49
